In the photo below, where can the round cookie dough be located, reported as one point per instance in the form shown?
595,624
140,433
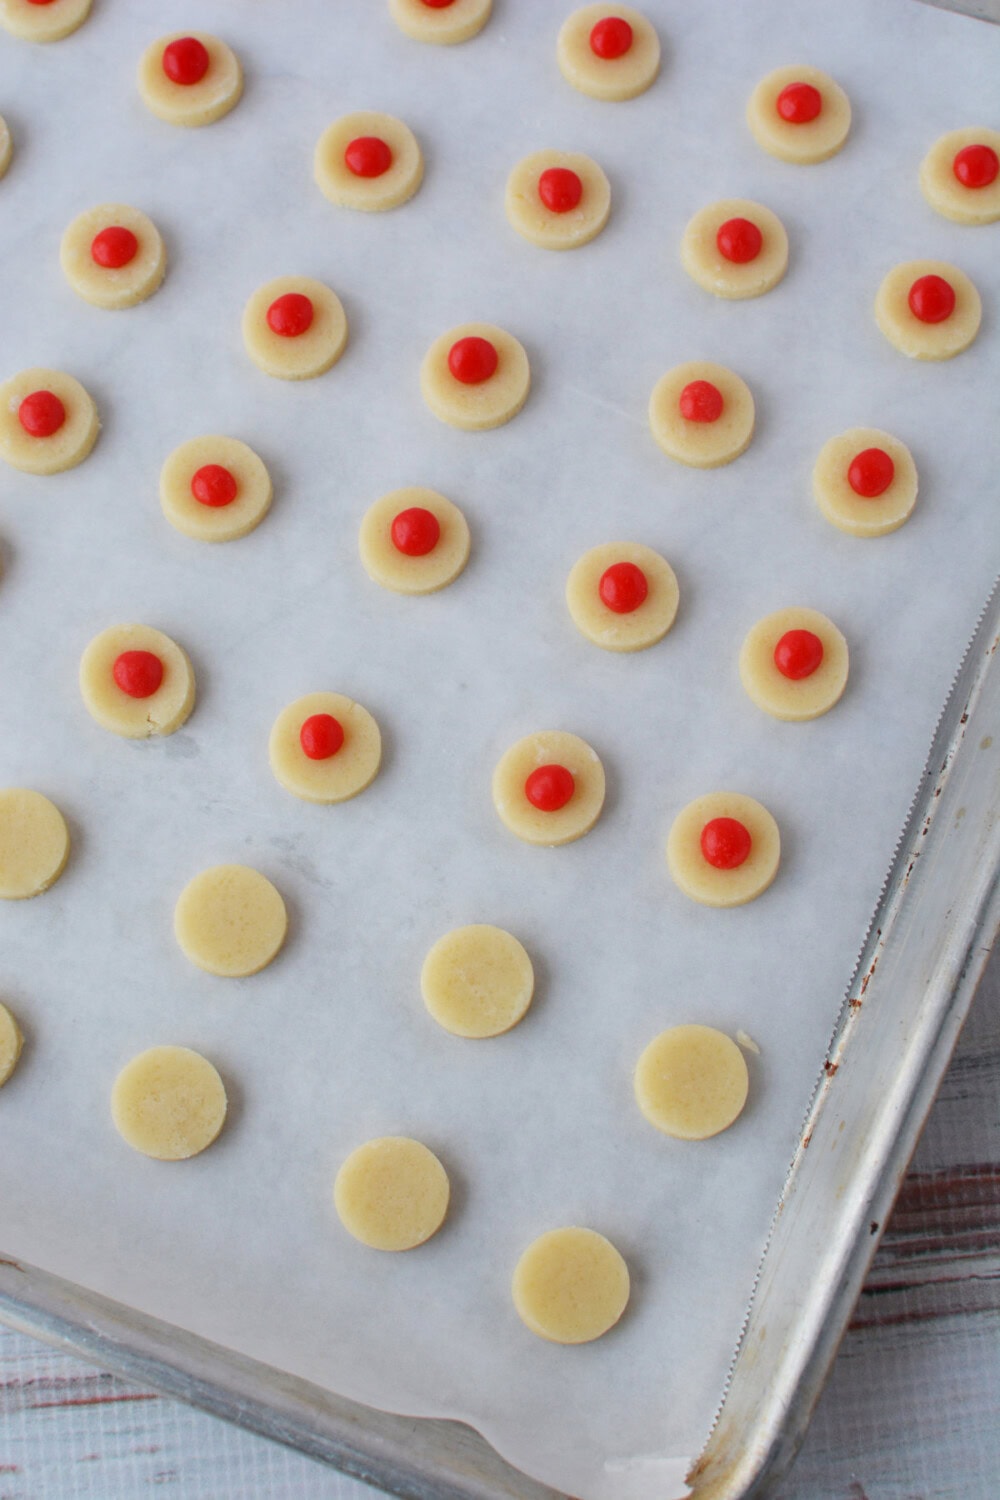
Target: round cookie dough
555,229
622,629
218,519
34,843
6,146
477,981
726,887
610,78
299,356
702,445
691,1082
67,444
113,286
852,512
802,143
807,697
168,1103
570,1286
230,921
392,1193
445,24
48,22
11,1042
200,103
336,777
942,340
423,573
549,747
136,718
394,184
946,192
491,402
734,279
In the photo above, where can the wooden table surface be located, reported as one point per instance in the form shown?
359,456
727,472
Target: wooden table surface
912,1410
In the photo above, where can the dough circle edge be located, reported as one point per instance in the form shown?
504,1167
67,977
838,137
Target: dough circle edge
11,1043
710,1063
702,882
69,445
784,698
707,267
386,1174
702,445
164,711
113,288
477,981
394,570
196,104
343,775
338,183
802,145
852,513
180,1125
34,843
230,921
476,408
528,215
570,1285
642,627
566,824
309,354
613,80
210,523
931,341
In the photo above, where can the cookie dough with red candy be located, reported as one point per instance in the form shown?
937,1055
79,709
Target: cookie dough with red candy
724,849
799,114
325,748
735,248
190,78
43,20
369,161
702,414
215,489
558,199
960,175
113,256
548,788
444,22
294,328
414,541
48,422
865,482
794,664
928,309
622,596
475,377
137,682
610,52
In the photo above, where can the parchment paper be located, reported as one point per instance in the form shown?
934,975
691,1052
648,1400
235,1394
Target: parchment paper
331,1044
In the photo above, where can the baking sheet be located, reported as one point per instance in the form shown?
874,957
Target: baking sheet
331,1044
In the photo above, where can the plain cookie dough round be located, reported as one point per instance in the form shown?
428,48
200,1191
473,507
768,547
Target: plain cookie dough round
168,1103
11,1042
784,697
396,185
538,223
927,340
457,22
705,263
581,812
43,23
611,79
477,981
691,1082
851,512
215,523
110,286
136,718
702,445
816,140
943,190
6,146
191,103
395,570
34,843
476,408
570,1286
342,775
307,354
702,881
640,627
68,445
392,1193
230,921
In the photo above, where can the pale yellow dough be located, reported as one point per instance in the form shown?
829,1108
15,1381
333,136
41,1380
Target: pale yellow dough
927,340
309,354
537,223
702,445
853,513
622,632
371,194
458,22
68,446
475,408
168,1103
230,921
477,981
702,881
43,23
570,1286
691,1082
392,1193
339,777
385,564
817,140
704,263
942,189
784,697
611,79
136,718
34,843
113,287
215,523
6,146
11,1042
581,812
191,103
